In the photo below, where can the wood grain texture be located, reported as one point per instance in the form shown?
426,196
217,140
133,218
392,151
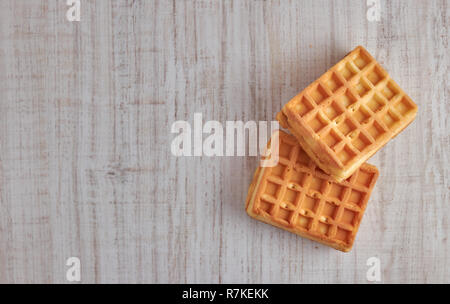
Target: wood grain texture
85,116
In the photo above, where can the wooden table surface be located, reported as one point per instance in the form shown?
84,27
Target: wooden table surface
86,168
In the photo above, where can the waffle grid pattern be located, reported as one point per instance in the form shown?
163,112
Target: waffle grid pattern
298,195
353,106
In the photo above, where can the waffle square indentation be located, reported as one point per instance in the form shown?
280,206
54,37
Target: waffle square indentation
298,177
329,210
290,196
317,123
390,90
304,222
348,216
265,206
375,76
362,87
361,60
347,71
279,170
346,155
285,150
310,203
356,197
323,228
284,214
361,142
347,99
390,119
333,110
336,191
272,189
376,130
303,106
361,115
404,106
376,103
303,158
346,127
333,82
318,93
343,235
364,178
331,138
317,184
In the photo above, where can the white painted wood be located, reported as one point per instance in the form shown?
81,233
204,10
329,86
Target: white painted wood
85,162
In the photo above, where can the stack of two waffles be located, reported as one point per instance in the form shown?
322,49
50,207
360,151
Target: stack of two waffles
320,186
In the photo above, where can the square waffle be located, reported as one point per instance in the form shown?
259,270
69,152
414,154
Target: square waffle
348,114
297,196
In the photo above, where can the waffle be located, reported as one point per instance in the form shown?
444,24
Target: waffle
348,114
299,197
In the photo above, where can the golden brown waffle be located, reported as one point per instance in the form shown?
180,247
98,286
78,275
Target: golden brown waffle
297,196
348,114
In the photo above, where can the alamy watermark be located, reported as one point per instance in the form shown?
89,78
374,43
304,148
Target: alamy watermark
226,141
73,13
373,274
373,10
73,274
